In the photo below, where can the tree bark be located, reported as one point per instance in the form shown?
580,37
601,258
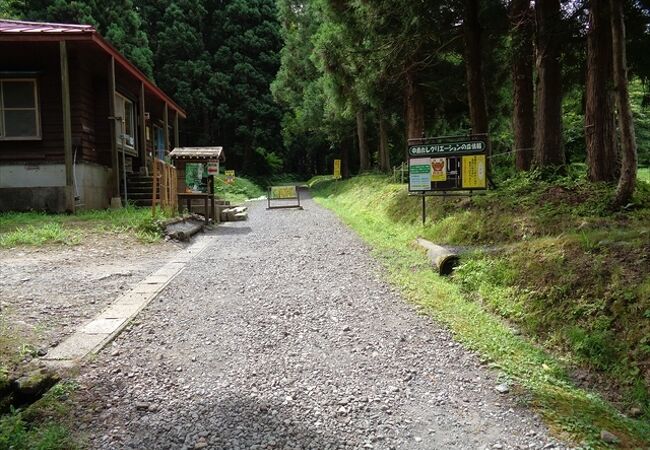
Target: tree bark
414,108
474,68
627,179
600,128
523,114
364,153
549,148
345,159
384,156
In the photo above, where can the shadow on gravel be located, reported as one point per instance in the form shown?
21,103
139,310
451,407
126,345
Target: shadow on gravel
246,422
237,422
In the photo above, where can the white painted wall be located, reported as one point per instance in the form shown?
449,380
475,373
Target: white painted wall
92,181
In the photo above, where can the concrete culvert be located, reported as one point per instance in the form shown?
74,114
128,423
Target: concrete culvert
443,259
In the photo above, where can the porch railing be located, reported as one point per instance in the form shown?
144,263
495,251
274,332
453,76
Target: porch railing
165,186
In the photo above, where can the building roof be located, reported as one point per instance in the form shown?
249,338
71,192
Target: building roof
22,26
198,153
20,30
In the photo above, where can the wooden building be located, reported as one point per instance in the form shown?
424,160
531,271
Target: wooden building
72,109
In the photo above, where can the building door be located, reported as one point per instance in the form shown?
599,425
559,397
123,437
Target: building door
159,142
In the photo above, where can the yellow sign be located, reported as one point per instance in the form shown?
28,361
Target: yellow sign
230,176
283,192
474,172
439,169
337,169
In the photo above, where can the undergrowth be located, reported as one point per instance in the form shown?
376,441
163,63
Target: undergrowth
240,190
553,281
43,425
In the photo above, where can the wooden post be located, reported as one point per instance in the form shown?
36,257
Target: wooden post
112,126
176,131
154,197
166,128
163,186
67,125
143,131
174,189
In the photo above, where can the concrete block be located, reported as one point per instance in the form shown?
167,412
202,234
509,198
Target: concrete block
120,311
76,346
102,326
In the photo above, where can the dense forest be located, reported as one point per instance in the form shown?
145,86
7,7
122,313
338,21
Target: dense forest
287,85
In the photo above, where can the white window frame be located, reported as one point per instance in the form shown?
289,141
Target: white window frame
36,109
127,148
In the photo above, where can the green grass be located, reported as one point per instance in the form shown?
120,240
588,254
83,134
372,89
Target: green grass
45,425
47,233
388,220
36,229
644,174
241,190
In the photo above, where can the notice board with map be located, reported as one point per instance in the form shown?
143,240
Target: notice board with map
451,163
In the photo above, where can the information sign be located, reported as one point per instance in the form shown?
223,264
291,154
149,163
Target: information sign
474,172
448,164
230,176
337,169
283,192
420,174
213,167
439,169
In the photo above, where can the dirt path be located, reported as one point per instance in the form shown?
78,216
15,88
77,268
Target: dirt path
47,292
282,335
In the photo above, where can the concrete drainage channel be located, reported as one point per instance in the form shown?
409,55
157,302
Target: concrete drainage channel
100,331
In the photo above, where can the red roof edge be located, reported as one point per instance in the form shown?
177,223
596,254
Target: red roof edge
133,70
46,31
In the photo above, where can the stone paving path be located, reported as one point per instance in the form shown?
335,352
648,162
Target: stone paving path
282,335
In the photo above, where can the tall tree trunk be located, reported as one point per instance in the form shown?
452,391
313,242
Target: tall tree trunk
600,128
414,107
384,156
364,153
474,68
549,148
345,157
523,114
627,179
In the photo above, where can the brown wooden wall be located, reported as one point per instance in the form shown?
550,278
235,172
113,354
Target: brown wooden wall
44,58
88,75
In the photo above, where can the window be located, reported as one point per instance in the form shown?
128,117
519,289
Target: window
19,117
125,132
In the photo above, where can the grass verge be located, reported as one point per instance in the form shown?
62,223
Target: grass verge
35,228
524,210
45,425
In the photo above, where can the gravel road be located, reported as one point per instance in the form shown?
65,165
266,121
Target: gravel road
282,335
47,292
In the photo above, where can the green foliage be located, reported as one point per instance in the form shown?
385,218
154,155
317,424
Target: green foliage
37,229
9,8
242,189
17,434
48,233
598,347
119,21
